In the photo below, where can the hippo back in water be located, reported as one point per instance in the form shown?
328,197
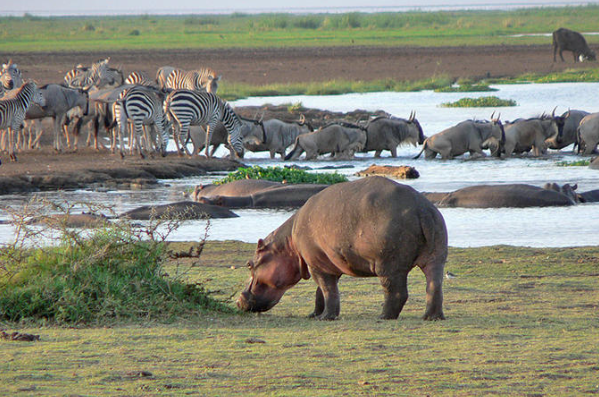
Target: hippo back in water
365,228
497,196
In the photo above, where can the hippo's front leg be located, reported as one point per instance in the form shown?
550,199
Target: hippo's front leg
396,295
318,304
327,304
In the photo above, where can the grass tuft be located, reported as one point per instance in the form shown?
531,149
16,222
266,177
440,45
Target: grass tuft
481,102
279,174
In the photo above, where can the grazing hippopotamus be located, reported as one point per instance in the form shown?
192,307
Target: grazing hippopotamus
365,228
183,210
284,196
498,196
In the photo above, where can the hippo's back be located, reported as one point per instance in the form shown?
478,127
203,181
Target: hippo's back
370,221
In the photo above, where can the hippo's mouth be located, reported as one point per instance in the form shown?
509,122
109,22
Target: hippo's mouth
251,303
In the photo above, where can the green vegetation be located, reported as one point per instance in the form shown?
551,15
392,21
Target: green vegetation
576,163
232,91
278,174
481,102
466,85
113,273
454,28
567,76
520,321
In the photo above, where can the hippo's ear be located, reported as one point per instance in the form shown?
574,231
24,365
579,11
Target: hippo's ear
260,245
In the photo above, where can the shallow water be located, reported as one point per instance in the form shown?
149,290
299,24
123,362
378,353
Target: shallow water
535,227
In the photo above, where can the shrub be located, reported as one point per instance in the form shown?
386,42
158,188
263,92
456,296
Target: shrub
486,101
95,276
279,174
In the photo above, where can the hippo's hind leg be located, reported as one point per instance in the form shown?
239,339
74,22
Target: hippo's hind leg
434,293
396,295
328,304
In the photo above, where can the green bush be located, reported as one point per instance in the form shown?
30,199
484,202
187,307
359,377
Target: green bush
481,102
279,174
576,163
97,276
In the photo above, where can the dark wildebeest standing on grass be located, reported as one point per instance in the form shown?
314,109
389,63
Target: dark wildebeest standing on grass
569,40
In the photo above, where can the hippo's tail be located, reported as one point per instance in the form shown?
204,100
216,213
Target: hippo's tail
435,233
424,146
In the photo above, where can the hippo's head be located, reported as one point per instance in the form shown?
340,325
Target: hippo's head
274,269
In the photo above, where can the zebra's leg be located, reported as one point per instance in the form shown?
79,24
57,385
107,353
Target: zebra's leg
122,122
139,131
209,128
11,144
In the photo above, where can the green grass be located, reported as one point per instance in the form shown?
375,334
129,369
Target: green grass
280,174
486,101
520,321
576,163
453,28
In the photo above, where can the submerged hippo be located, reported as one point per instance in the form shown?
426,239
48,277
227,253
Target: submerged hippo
284,196
517,195
182,210
365,228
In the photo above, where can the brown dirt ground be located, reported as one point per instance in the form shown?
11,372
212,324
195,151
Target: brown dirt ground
282,65
274,65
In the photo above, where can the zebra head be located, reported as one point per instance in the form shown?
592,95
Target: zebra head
10,76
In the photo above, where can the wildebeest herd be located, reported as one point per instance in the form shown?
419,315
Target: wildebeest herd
145,113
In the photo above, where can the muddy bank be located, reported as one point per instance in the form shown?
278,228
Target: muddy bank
45,170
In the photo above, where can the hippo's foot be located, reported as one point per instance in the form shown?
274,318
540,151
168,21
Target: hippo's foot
323,317
388,316
433,316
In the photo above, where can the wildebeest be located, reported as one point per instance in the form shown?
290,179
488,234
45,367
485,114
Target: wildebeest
588,134
386,133
340,139
569,133
372,227
531,134
468,136
59,100
273,135
569,40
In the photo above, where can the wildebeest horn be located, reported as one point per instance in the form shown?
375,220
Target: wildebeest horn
412,115
302,118
492,114
553,113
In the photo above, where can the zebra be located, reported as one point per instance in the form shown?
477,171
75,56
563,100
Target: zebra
187,107
198,80
139,78
144,106
82,77
12,112
10,77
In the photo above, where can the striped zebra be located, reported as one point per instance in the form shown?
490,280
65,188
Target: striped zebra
83,77
143,106
139,78
12,112
198,80
187,107
10,77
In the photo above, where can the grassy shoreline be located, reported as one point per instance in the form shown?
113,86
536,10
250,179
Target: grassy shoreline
415,28
520,321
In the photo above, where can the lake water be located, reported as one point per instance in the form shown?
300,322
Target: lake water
535,227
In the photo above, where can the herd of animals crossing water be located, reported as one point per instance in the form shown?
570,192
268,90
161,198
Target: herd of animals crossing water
144,113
